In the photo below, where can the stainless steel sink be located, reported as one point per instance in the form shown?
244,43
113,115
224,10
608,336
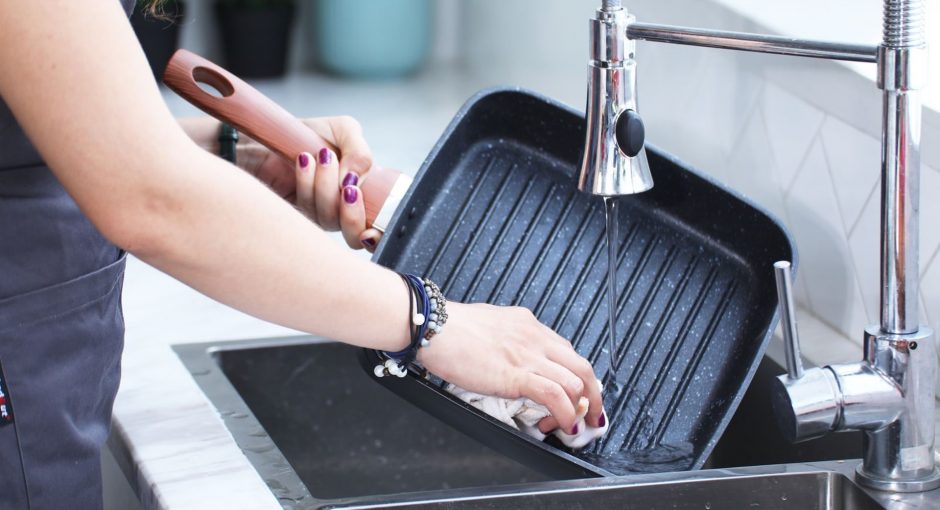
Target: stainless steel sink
786,489
323,435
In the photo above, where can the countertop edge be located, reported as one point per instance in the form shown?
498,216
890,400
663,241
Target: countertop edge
148,445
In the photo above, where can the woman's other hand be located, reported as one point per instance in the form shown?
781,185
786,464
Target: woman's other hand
323,184
507,352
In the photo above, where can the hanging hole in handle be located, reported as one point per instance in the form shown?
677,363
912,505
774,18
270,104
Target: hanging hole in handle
212,83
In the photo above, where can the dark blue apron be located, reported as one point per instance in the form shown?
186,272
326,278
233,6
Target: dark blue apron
61,336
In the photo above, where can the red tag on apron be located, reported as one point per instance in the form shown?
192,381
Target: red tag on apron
6,408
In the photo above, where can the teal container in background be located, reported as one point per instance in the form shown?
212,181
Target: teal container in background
372,38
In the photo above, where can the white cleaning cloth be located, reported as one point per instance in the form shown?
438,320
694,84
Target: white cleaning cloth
524,414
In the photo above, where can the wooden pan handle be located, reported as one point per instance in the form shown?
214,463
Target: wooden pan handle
256,115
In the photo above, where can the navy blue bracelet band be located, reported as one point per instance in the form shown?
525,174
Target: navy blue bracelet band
415,330
426,315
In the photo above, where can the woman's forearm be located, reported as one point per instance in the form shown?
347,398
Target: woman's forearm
229,237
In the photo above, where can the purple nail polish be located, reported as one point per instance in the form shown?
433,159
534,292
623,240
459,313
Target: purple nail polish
368,242
325,156
350,194
602,421
303,159
351,179
574,430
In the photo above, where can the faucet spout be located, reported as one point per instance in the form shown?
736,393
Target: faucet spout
614,161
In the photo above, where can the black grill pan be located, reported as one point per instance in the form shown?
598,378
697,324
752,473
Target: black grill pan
495,216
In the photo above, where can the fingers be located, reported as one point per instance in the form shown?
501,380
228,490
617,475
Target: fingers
304,171
355,155
551,395
370,239
280,181
568,358
352,215
548,424
571,383
326,185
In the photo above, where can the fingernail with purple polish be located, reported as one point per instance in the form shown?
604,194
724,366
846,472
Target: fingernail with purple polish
368,242
351,179
325,156
350,194
303,159
602,421
574,430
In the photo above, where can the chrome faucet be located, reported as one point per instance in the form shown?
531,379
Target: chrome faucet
889,395
614,156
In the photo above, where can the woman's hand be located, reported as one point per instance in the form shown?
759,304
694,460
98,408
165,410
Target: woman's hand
507,352
324,185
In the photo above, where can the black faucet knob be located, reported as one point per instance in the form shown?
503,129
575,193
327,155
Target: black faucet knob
631,134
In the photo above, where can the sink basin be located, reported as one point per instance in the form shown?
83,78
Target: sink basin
323,435
348,437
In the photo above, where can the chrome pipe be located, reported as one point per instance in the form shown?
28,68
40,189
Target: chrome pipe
752,42
900,190
902,69
791,340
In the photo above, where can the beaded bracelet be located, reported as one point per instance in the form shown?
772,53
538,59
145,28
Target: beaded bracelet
427,312
396,362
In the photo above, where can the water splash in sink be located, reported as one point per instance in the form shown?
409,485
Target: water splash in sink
662,458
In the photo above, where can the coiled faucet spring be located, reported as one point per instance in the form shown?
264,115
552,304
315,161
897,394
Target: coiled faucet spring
904,23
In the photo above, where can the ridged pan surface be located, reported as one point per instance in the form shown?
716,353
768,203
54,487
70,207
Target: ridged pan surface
495,216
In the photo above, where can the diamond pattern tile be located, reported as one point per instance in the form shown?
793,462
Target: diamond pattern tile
929,216
792,125
721,105
751,169
930,290
864,242
854,160
925,317
825,259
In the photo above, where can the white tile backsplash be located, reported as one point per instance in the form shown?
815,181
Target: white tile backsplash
930,216
854,161
716,113
825,259
864,242
931,130
751,167
792,125
930,290
925,319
